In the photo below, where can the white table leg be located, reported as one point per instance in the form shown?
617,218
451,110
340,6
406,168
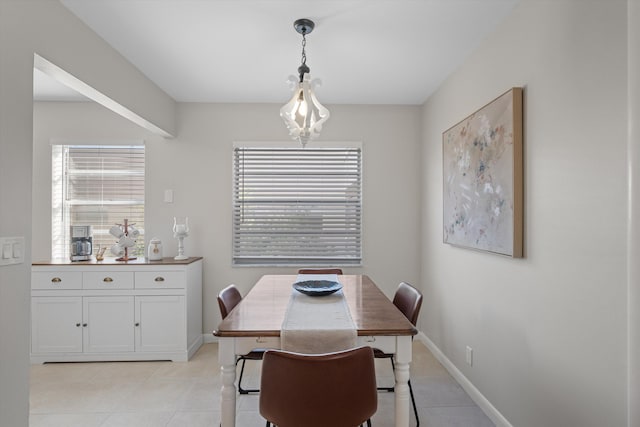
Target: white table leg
402,360
227,360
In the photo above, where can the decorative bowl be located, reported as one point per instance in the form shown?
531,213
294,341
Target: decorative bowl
316,288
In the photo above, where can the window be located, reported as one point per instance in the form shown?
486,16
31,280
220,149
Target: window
295,206
97,185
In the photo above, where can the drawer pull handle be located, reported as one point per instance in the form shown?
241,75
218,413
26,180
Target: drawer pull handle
107,279
84,325
77,325
159,279
370,339
56,280
137,323
260,340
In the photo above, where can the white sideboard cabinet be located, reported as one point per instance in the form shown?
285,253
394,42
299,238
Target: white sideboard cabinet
113,311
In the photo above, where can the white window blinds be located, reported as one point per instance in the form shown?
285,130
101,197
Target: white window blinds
97,185
294,206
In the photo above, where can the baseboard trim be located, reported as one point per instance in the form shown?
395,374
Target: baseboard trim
483,403
209,338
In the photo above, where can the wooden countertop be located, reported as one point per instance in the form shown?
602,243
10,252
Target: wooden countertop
112,261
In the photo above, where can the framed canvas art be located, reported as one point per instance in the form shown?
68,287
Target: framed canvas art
482,176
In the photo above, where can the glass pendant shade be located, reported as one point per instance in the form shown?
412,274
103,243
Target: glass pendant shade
303,114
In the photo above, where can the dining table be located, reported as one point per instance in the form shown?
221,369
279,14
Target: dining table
256,322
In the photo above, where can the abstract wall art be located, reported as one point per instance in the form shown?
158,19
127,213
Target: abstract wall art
483,179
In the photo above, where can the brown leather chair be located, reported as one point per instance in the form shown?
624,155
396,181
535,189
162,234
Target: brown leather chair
409,301
339,388
228,298
320,271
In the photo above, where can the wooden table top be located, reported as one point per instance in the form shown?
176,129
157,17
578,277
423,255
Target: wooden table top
262,310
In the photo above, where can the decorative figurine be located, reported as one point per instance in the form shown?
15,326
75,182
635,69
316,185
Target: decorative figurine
126,235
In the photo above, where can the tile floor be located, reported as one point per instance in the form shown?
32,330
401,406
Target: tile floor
186,394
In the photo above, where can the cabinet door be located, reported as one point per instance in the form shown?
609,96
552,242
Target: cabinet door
56,324
109,324
160,323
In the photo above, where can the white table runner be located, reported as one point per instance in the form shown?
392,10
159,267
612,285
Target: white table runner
319,324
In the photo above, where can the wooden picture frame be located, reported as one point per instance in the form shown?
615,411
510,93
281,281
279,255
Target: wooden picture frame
483,178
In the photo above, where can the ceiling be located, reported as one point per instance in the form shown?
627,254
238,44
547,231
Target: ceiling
364,51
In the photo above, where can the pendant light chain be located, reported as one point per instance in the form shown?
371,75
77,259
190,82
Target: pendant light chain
302,69
304,44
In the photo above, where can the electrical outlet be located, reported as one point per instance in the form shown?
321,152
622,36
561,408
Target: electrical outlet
469,356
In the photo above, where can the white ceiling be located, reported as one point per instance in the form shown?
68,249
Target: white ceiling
364,51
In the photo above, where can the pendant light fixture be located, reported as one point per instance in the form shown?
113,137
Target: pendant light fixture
303,114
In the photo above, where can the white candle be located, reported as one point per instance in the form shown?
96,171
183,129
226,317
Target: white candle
181,228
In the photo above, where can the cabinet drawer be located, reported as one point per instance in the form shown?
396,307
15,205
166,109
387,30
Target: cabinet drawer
107,280
56,280
160,280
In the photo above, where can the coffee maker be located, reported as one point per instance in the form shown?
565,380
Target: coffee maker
81,242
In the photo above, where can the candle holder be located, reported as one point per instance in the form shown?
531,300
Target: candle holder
180,231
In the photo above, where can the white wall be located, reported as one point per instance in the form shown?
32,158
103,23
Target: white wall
15,214
197,165
634,212
78,122
549,331
47,28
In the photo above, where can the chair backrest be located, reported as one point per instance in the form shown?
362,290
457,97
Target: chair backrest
228,298
320,271
318,390
408,300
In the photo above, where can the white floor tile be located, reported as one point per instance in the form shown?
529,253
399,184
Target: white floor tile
167,394
138,419
195,419
468,416
67,420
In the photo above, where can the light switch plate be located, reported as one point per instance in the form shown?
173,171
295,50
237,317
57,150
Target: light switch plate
7,251
12,250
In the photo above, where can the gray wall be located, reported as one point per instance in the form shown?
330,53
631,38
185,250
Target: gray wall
47,28
634,212
197,166
549,331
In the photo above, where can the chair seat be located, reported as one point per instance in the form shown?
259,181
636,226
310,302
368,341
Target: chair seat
408,300
295,388
379,354
255,354
228,298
